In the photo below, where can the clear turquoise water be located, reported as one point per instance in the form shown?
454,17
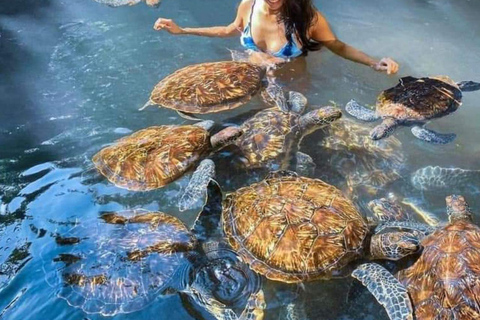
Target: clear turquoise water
74,73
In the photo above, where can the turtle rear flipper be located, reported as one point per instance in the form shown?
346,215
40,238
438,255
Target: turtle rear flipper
388,291
188,116
149,103
468,86
360,112
384,129
197,187
432,136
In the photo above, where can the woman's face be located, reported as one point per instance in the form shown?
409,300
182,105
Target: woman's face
274,4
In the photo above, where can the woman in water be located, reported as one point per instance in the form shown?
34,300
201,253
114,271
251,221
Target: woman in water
284,29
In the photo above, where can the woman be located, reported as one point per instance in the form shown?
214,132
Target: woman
284,29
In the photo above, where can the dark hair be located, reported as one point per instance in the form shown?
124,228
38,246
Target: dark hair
298,16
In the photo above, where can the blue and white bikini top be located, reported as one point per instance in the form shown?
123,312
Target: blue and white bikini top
288,51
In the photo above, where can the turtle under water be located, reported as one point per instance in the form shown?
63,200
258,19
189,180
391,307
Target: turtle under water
119,3
215,87
414,101
122,264
366,165
444,283
156,156
272,137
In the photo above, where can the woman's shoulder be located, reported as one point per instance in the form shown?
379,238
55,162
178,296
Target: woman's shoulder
245,5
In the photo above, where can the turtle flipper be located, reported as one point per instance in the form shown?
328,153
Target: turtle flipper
197,187
149,103
188,116
305,165
432,136
254,310
388,291
468,86
430,218
276,93
361,112
384,129
297,102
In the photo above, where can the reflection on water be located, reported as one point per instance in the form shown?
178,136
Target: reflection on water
77,72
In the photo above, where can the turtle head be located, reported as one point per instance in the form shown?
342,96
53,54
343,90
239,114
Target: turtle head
458,208
318,118
386,210
225,137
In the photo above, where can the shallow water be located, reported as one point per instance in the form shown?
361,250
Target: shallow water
74,74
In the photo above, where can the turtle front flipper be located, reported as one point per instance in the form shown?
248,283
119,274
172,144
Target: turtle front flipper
468,86
297,102
384,129
276,93
432,136
197,187
305,166
388,291
360,112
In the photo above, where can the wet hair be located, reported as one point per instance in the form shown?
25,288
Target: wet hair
298,16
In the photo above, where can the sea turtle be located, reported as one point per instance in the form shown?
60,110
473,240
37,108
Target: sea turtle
434,178
119,3
271,136
366,165
153,157
414,101
123,263
444,283
214,87
293,229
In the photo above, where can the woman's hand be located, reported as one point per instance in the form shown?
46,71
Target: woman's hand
386,65
167,24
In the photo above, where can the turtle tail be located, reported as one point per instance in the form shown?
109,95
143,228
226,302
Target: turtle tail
146,105
468,86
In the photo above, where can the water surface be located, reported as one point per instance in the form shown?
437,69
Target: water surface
74,74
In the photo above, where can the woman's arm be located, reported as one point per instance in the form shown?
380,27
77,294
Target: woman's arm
321,32
233,29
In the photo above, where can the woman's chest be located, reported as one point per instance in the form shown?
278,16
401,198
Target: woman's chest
268,35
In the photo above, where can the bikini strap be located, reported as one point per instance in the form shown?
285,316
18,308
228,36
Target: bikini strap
251,13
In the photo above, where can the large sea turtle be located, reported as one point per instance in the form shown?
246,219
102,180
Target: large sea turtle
119,3
444,283
366,165
271,137
214,87
414,101
154,157
123,263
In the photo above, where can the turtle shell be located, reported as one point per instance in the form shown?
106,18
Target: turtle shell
267,137
292,229
444,283
152,158
120,266
209,87
419,99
